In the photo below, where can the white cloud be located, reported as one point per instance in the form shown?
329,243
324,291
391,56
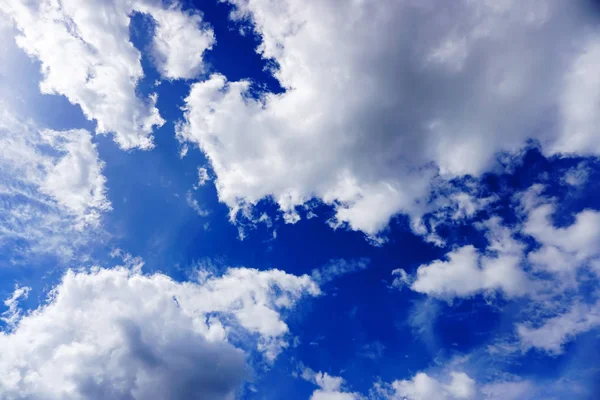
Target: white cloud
455,385
13,314
577,176
193,203
330,387
401,278
459,275
86,55
563,249
558,330
338,267
579,116
75,180
115,333
203,176
380,99
450,205
179,43
127,259
51,187
548,277
466,272
467,205
448,381
424,387
447,384
255,305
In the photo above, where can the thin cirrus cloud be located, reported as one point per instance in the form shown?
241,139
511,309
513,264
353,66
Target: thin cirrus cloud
86,55
379,100
117,333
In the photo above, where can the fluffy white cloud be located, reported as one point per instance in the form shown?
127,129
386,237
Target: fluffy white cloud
330,387
459,378
424,387
466,272
51,187
563,249
382,96
179,43
115,333
456,385
254,297
548,277
86,55
445,384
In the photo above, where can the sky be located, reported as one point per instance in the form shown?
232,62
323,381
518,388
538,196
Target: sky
323,200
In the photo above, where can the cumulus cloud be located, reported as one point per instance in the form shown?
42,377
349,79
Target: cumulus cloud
330,387
563,249
256,306
549,276
383,96
424,387
466,271
447,383
51,186
450,384
86,55
115,333
179,42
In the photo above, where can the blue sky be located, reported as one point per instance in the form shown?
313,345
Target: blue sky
312,200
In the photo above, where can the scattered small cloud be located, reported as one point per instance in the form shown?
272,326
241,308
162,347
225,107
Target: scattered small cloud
193,203
336,268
